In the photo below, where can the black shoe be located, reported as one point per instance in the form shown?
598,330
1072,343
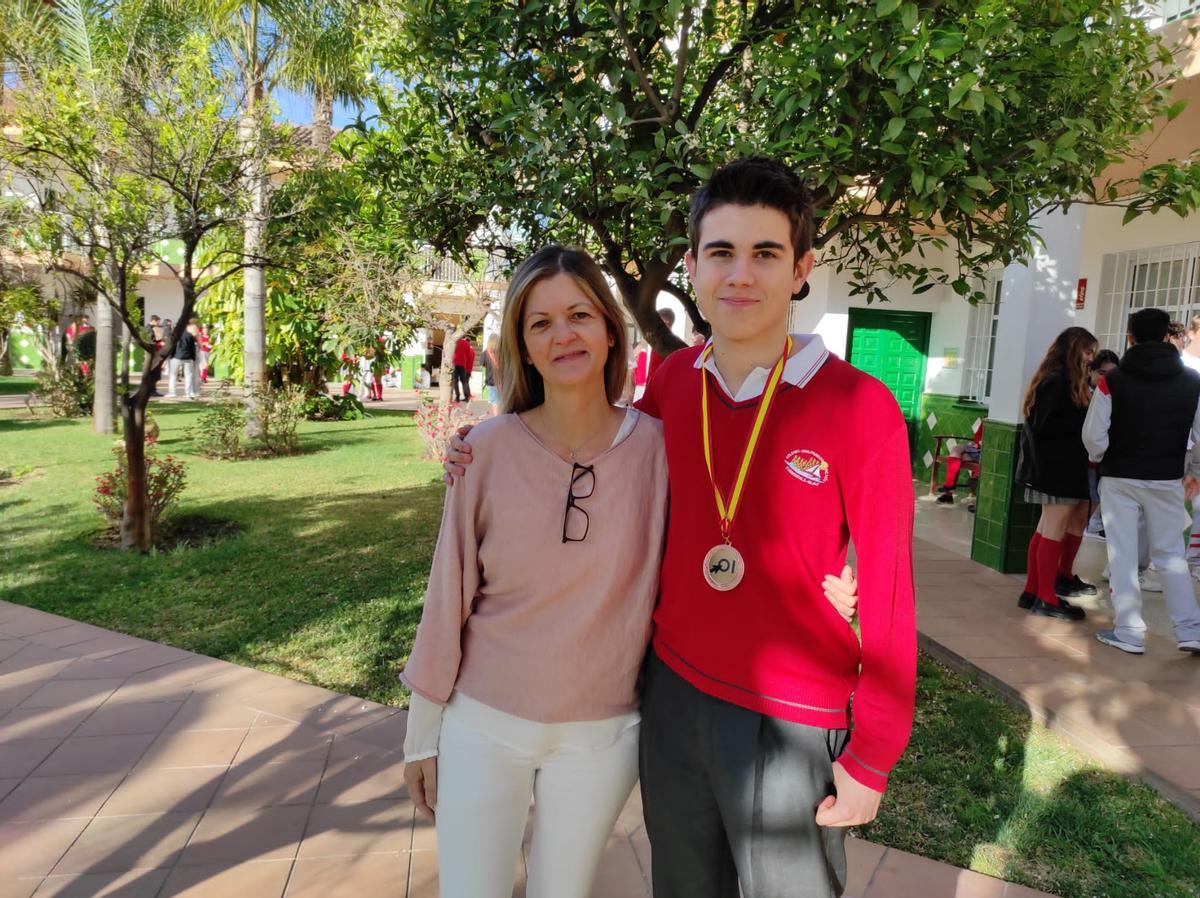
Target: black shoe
1072,587
1064,610
971,508
1026,601
946,499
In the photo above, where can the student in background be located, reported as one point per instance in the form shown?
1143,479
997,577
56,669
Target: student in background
1138,428
1053,470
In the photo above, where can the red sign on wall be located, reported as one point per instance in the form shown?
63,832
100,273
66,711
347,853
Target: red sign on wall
1081,293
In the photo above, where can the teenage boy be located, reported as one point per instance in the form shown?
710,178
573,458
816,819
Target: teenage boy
779,454
1137,427
777,458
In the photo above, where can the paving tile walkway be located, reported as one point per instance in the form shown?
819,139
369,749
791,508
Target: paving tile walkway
1136,714
131,769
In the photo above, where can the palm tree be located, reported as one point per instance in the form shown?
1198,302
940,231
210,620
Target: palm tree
94,39
268,43
324,60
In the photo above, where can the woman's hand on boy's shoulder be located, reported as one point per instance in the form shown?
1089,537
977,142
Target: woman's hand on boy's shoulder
458,456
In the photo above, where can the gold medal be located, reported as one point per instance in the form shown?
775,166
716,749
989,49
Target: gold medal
723,565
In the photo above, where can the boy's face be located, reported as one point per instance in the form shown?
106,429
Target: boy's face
745,272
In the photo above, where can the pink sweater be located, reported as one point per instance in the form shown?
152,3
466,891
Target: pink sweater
515,618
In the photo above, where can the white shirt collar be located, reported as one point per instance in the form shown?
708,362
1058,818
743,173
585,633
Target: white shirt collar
808,355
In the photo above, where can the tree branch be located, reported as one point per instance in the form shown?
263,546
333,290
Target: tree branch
636,62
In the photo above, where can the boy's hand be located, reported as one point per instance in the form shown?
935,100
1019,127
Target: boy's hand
421,779
458,456
854,804
1191,487
842,593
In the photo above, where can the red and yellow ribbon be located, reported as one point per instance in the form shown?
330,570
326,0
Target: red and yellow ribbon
728,511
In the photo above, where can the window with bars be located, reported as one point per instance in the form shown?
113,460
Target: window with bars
980,357
1161,277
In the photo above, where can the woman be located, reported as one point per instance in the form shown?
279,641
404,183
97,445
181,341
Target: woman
537,615
1053,468
491,372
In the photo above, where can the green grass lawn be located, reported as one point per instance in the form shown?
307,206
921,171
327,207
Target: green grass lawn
11,385
324,584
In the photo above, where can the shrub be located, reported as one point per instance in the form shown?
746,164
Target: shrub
436,424
277,413
324,407
165,479
220,428
66,390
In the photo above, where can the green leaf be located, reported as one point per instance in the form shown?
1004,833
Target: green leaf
1176,108
894,127
965,203
976,182
1064,35
960,88
886,7
917,176
908,16
892,101
1130,214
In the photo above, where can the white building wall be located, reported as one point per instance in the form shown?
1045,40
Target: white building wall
826,312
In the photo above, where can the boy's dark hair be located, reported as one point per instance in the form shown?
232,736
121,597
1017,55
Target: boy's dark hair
1149,325
1102,358
1176,329
667,315
756,181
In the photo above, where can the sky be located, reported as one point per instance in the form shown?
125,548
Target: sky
297,109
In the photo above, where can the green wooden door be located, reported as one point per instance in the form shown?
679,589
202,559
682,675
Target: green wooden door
892,346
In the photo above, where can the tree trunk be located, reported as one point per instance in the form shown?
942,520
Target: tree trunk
641,299
104,405
254,294
322,126
126,350
446,377
135,522
5,361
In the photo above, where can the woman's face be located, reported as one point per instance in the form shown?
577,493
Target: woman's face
1089,354
566,336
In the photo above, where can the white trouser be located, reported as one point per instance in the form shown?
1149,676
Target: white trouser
1161,503
172,375
490,764
189,377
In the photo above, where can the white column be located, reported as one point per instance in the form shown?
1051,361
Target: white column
1037,302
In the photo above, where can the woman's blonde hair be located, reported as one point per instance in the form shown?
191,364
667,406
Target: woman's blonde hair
522,387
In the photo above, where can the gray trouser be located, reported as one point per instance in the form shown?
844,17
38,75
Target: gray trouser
732,794
1161,504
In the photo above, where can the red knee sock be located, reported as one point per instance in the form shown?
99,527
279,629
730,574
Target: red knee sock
1048,553
1070,548
1031,559
953,466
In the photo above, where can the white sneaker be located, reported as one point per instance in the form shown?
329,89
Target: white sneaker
1109,637
1194,570
1190,645
1148,581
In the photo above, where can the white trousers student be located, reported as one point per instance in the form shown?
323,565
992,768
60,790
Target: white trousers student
490,764
189,377
1161,503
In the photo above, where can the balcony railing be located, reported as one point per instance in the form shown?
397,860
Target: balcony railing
1164,12
439,268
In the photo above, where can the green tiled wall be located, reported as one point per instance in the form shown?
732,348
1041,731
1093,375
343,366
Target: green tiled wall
950,415
1004,522
23,350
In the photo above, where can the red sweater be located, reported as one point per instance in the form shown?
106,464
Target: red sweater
832,465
